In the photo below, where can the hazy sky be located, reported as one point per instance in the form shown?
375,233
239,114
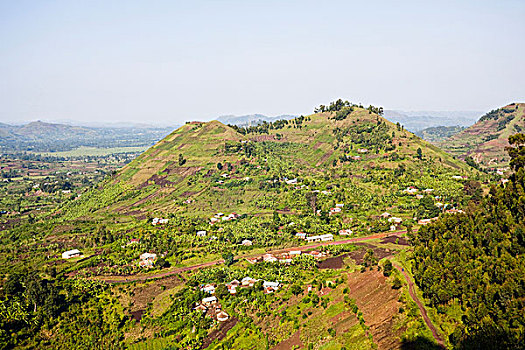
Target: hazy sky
170,61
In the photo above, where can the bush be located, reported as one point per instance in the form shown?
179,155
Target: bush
396,284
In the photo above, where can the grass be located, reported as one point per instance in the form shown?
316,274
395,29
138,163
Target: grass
151,344
162,301
335,309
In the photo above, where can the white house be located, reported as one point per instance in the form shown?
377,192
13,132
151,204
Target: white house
247,242
320,238
208,288
274,285
148,256
201,233
74,253
209,300
301,235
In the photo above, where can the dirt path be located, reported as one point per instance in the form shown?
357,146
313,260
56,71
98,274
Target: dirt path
413,295
126,279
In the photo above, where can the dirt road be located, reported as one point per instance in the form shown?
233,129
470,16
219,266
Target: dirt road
125,279
413,295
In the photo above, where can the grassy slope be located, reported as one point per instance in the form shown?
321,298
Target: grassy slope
484,142
155,182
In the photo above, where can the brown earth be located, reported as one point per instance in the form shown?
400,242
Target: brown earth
144,294
324,158
379,303
220,332
379,253
137,315
395,240
335,262
294,340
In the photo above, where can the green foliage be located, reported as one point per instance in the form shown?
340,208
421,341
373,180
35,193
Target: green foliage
478,258
387,268
396,283
229,259
517,151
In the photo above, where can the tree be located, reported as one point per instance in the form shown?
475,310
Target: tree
419,153
229,259
517,151
296,289
162,263
387,268
182,161
219,166
311,198
221,291
396,284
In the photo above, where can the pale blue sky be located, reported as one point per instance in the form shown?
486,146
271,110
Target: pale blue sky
170,61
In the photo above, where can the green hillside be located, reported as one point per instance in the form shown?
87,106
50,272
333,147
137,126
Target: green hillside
204,168
486,140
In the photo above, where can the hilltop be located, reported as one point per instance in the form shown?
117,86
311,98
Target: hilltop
486,140
203,168
252,119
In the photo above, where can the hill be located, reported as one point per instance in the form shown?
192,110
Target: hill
204,168
436,134
486,140
50,137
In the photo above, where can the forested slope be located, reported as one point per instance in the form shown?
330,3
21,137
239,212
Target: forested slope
478,260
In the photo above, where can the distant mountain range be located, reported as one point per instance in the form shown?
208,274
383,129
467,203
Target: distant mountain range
412,120
251,119
49,137
418,120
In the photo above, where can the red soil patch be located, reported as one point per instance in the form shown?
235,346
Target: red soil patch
324,158
379,303
395,240
294,340
379,253
137,315
335,262
220,332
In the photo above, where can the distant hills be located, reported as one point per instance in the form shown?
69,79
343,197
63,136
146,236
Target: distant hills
252,119
485,141
49,137
419,120
436,134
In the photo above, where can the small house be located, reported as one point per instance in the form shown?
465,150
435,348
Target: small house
201,308
148,256
201,233
300,235
320,238
248,282
208,288
209,301
247,242
74,253
222,316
